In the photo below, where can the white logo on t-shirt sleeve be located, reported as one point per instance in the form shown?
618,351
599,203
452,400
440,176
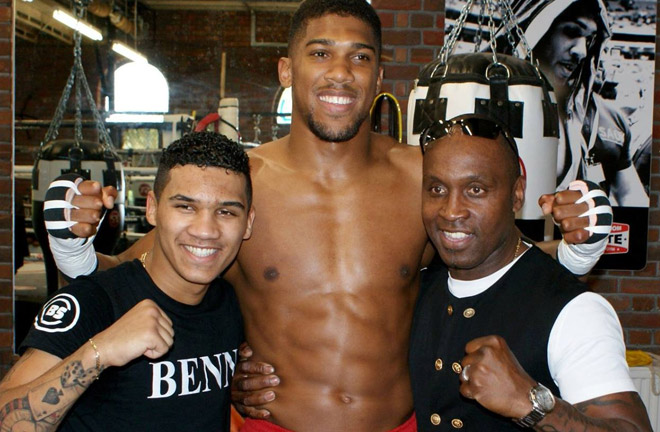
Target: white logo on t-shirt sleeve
60,314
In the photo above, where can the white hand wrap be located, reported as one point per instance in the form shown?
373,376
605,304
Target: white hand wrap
73,255
579,259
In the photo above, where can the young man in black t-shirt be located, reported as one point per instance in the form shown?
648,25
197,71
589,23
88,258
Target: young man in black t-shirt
161,333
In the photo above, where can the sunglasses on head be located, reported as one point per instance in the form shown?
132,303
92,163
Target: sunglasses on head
470,124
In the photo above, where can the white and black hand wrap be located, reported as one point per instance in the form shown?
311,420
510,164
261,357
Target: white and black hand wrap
581,258
58,205
600,210
73,255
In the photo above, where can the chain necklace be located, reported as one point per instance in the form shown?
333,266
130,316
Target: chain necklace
515,254
143,258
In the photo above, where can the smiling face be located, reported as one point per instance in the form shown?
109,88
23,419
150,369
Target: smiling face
565,46
335,74
201,219
469,202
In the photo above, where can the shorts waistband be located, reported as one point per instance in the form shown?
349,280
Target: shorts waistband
252,425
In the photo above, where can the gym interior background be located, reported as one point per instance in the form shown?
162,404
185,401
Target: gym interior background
187,46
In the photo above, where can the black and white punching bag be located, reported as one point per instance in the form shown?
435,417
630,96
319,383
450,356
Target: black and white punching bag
508,89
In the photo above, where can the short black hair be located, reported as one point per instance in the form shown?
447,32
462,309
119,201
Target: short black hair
311,9
204,149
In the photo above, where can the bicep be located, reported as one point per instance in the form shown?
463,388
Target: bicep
32,364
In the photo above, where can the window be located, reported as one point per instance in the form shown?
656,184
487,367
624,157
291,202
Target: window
141,88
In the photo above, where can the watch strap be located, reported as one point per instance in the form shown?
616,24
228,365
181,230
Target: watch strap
530,420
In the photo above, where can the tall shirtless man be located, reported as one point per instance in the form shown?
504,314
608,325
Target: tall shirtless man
328,281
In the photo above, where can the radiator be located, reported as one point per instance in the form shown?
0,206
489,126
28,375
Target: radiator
648,386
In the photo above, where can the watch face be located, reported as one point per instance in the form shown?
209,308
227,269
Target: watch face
544,397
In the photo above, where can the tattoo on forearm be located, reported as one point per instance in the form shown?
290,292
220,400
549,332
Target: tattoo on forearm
45,405
576,418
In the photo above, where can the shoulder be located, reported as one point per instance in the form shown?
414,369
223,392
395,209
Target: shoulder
74,314
80,300
403,156
266,155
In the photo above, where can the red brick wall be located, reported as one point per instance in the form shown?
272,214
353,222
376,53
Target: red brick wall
6,168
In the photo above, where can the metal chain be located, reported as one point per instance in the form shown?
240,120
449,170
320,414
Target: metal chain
513,22
53,129
104,136
491,28
448,47
509,24
77,77
480,22
78,113
506,25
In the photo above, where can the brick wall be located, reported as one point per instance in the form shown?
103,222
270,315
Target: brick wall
412,33
6,168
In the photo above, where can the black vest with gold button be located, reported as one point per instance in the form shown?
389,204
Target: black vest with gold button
521,307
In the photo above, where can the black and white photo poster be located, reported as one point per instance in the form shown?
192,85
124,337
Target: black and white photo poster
599,57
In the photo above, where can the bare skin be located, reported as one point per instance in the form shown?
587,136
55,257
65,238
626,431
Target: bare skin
340,343
328,280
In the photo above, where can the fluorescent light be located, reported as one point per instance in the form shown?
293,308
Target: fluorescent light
135,118
130,54
78,25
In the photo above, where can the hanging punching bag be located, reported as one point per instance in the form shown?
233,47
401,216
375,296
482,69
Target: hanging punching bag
509,90
90,159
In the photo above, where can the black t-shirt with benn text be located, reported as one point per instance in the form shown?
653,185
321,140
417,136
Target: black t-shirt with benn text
185,390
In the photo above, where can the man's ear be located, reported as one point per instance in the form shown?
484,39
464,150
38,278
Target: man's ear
250,221
284,71
379,81
152,207
519,193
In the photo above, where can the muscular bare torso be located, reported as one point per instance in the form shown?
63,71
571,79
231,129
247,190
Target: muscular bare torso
327,285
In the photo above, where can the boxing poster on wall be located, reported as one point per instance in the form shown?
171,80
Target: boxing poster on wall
599,57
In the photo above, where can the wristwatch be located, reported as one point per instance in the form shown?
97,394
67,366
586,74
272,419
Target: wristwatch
543,402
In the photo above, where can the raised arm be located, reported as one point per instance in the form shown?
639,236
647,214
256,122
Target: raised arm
584,217
41,388
74,208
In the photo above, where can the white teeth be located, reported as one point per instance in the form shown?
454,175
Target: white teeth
455,235
200,252
339,100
